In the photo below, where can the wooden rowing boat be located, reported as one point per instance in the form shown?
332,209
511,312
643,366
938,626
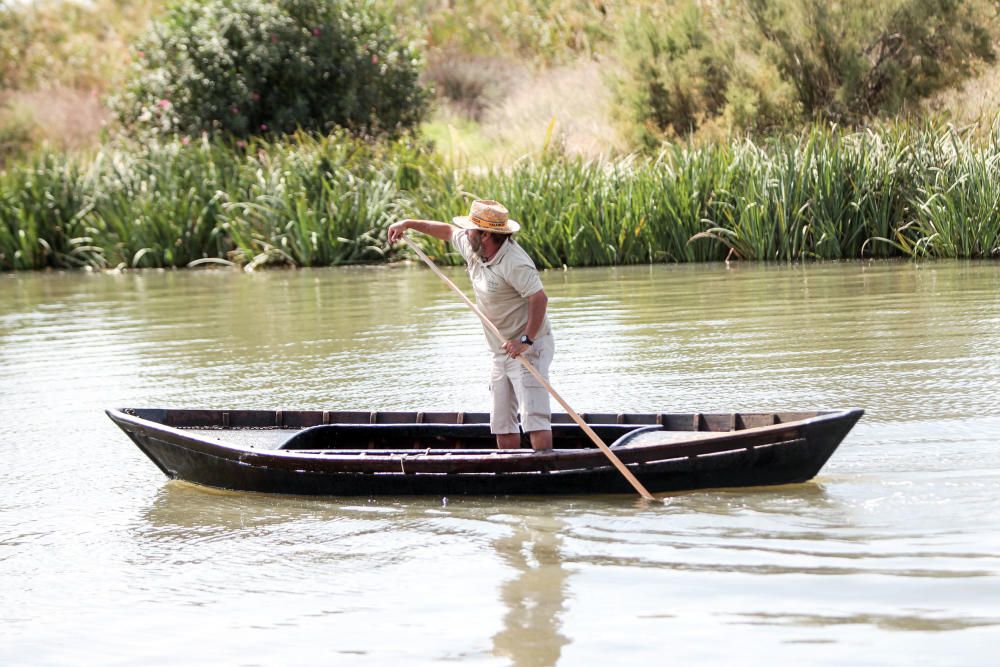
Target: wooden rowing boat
339,453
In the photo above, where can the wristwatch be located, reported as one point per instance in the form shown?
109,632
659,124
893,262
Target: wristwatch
524,340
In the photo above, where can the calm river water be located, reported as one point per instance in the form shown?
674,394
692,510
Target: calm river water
890,557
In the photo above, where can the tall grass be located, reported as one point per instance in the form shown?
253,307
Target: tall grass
814,196
160,209
43,209
956,209
307,201
301,203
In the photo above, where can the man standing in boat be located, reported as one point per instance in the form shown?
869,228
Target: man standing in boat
509,292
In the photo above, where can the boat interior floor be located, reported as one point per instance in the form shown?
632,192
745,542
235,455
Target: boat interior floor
431,436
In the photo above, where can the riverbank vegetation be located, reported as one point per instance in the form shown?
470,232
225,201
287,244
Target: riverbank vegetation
312,201
618,133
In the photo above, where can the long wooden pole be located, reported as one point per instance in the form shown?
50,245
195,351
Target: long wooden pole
538,376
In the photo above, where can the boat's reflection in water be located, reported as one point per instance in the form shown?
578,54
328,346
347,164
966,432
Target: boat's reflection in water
513,580
498,565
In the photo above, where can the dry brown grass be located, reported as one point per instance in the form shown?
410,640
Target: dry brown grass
467,85
975,102
63,117
573,100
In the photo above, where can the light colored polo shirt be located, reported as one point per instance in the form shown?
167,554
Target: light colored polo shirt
502,286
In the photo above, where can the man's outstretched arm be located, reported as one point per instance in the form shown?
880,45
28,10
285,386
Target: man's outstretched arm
439,230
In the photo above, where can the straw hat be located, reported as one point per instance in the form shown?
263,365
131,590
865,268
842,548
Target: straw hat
487,215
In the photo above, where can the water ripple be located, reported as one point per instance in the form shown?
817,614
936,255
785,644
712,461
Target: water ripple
890,553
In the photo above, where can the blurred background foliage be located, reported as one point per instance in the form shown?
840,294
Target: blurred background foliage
258,67
508,76
254,132
752,66
317,200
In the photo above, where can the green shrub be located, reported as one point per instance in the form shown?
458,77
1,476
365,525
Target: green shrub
250,67
763,65
677,73
851,60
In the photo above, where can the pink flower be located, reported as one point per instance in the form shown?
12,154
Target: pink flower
234,109
142,54
240,143
274,39
255,96
163,104
374,59
317,31
263,126
185,140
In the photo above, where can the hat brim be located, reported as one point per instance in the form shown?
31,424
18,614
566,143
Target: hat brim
465,222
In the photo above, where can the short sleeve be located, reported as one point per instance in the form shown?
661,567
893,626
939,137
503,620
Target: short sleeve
461,242
524,278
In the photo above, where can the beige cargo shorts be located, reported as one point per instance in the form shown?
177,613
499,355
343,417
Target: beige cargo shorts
515,390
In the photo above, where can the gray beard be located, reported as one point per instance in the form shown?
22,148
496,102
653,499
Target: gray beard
477,247
481,251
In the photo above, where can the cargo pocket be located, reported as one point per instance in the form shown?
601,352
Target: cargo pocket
534,404
503,415
540,356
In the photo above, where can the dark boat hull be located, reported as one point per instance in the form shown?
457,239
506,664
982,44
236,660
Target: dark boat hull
779,454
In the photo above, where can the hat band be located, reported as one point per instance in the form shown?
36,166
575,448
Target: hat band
487,223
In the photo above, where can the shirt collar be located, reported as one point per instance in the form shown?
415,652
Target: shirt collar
500,253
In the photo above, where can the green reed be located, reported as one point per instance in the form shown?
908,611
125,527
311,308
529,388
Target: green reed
305,201
43,206
162,207
957,204
823,195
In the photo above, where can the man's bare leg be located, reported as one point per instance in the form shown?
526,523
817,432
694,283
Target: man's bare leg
509,440
541,440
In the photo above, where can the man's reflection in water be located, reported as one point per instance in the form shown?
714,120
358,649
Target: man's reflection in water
535,596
